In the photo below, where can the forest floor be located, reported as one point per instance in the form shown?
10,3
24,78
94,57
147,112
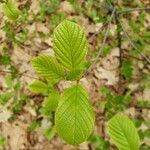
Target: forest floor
35,38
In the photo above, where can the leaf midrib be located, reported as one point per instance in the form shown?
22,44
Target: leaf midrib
124,134
72,62
75,114
10,10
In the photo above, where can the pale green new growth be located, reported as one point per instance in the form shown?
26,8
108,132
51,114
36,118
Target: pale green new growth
49,133
11,11
70,44
74,118
38,87
50,103
48,67
74,74
123,133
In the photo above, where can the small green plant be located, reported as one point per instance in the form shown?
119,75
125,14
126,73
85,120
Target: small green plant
74,116
74,112
13,96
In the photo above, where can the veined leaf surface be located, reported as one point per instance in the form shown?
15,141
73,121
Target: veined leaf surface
70,44
123,133
11,11
74,74
74,118
48,67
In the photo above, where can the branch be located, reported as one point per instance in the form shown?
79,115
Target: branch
132,43
132,9
119,39
104,41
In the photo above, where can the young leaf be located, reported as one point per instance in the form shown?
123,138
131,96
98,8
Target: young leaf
74,74
70,44
51,102
11,11
49,133
123,133
74,118
38,87
48,67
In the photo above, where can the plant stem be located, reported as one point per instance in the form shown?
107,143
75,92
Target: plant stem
132,9
104,41
119,39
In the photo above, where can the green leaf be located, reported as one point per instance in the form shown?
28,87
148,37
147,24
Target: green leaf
51,102
48,67
34,125
3,142
70,44
5,97
105,91
143,103
105,50
123,133
9,80
11,11
49,133
74,118
127,69
74,74
127,99
147,35
145,83
38,87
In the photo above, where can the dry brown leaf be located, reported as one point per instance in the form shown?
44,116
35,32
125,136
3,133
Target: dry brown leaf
5,114
40,27
17,135
35,6
109,76
65,6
